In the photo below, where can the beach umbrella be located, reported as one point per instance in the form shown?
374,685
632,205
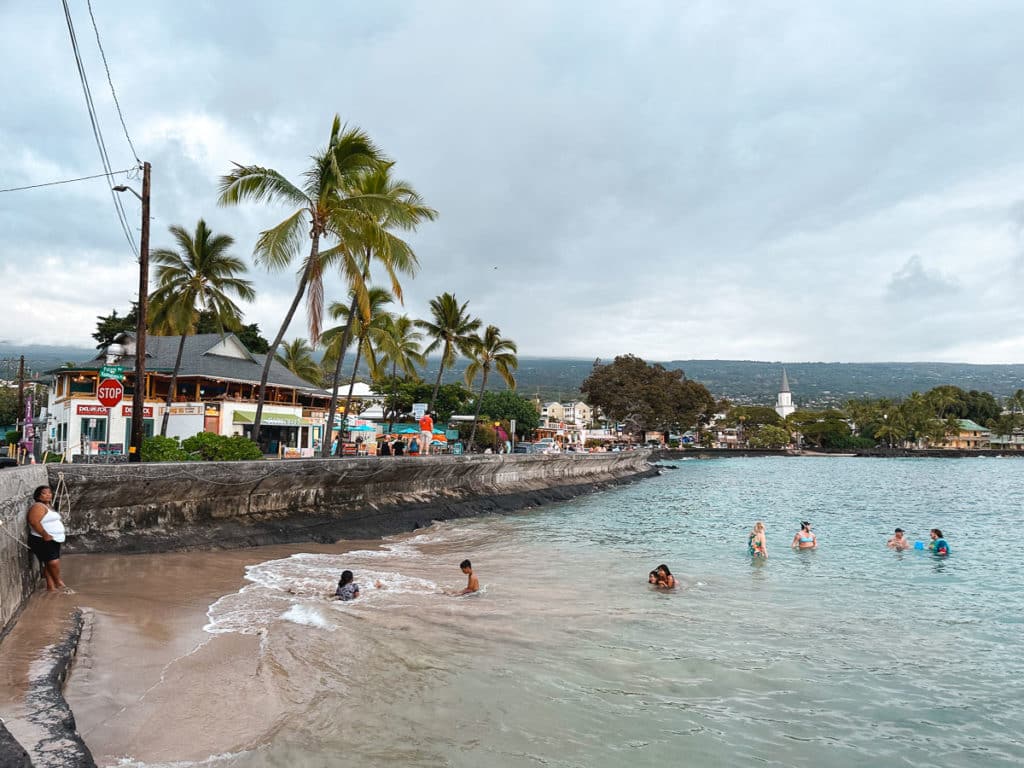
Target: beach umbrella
364,428
407,431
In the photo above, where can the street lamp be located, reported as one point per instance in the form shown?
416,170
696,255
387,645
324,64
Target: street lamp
139,393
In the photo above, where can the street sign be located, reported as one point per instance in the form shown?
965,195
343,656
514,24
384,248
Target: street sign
110,392
418,409
112,372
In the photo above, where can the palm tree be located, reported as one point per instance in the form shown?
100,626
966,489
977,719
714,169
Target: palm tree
452,330
200,275
364,332
329,206
486,352
405,211
399,346
297,357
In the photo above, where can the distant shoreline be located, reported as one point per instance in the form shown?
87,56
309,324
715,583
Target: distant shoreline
739,453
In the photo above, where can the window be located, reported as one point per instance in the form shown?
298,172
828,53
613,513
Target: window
94,429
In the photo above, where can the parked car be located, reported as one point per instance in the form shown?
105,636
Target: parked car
6,462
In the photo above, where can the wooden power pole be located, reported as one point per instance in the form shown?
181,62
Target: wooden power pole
139,393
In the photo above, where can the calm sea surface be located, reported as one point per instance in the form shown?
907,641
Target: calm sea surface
850,655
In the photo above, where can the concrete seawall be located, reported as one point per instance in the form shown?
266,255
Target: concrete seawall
157,507
17,565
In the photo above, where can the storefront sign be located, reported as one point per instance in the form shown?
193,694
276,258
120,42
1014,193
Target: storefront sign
147,411
91,410
213,410
186,410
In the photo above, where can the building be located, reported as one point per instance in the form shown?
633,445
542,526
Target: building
216,388
971,437
552,412
578,413
1013,442
784,403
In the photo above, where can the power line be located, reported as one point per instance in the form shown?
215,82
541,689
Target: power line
113,93
67,181
96,131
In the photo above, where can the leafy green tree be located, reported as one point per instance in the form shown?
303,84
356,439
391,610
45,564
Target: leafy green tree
208,446
110,326
452,330
507,405
451,398
9,405
297,357
200,275
328,207
752,416
769,437
487,352
821,429
646,397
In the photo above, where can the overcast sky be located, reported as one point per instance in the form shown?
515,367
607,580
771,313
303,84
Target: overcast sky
771,180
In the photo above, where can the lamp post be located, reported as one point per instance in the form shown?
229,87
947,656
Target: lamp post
139,392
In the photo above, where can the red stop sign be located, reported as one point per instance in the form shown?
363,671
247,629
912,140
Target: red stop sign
110,392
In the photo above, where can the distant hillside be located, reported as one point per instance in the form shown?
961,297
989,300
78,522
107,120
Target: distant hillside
740,380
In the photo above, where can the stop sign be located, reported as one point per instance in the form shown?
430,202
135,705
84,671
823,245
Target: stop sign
110,392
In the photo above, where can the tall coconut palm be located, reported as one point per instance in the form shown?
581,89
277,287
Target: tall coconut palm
297,357
399,346
486,352
364,332
329,208
452,329
199,275
405,211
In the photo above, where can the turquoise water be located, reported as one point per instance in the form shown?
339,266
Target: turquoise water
850,655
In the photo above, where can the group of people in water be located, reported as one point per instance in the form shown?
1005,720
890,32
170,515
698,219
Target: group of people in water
757,543
349,590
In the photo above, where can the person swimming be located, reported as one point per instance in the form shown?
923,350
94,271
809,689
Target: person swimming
899,542
652,578
804,539
938,545
757,546
665,578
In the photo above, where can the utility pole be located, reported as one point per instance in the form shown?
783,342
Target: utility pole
139,394
21,395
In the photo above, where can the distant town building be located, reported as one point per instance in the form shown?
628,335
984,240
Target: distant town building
784,404
971,436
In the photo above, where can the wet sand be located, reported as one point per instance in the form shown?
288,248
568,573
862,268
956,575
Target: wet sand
148,682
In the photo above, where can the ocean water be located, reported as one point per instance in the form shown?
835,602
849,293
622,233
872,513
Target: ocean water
850,655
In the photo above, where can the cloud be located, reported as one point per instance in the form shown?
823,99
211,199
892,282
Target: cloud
912,283
713,179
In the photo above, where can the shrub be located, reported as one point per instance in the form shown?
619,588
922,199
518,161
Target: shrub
210,447
157,448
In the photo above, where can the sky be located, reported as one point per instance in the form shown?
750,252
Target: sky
787,181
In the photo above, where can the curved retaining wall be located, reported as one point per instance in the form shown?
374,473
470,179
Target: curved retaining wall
155,507
18,574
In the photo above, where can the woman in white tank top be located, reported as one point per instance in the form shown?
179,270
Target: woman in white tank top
46,534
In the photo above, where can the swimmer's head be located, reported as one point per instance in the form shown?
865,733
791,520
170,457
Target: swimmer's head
899,533
664,570
346,577
466,566
652,577
936,533
805,526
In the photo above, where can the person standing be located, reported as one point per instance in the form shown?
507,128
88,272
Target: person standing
504,444
757,545
426,433
46,534
804,539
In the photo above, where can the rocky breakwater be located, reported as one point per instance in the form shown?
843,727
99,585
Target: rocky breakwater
157,507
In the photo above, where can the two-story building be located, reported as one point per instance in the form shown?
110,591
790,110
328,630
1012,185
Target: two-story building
215,391
971,437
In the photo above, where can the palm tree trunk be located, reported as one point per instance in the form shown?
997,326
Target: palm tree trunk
394,394
172,388
355,370
346,337
314,253
479,402
437,384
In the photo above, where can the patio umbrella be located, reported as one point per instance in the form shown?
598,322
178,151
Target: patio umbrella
363,428
406,431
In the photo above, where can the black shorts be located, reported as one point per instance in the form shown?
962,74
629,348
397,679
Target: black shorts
44,550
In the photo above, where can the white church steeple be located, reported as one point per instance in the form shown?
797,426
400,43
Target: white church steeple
784,404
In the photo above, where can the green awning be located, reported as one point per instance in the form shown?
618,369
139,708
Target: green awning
270,419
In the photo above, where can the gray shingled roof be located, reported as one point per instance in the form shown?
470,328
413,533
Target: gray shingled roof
161,352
